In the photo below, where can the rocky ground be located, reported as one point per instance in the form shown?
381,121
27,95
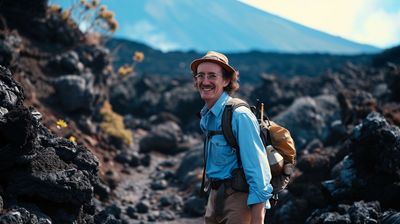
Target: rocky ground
138,158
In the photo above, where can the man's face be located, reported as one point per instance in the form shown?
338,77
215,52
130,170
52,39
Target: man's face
210,82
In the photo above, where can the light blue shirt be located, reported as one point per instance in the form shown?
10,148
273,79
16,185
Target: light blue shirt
221,158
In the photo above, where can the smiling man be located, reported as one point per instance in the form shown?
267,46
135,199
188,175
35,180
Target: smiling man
216,82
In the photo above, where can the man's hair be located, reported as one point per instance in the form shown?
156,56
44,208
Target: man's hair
233,85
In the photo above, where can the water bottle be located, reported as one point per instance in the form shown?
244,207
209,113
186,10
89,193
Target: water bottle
275,161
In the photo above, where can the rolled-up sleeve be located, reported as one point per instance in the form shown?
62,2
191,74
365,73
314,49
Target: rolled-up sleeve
253,156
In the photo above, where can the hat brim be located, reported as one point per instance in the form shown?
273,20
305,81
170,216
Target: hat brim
197,62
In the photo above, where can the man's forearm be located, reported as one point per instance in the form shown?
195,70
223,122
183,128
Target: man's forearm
257,213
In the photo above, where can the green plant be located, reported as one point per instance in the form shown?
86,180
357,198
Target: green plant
113,124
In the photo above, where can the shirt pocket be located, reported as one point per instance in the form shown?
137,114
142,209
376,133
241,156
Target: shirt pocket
220,151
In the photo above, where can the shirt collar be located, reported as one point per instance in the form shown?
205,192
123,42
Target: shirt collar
218,106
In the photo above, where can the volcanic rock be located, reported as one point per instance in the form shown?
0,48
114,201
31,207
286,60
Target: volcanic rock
371,171
74,93
38,168
310,118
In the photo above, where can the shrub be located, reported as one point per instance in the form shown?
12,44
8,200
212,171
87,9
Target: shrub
113,124
89,16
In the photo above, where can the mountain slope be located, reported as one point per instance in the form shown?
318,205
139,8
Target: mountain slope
250,64
223,25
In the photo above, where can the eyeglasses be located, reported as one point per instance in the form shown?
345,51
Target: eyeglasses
210,76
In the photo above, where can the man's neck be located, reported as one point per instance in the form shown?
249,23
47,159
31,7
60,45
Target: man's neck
210,104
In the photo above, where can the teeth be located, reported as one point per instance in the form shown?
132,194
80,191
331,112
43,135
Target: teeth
207,88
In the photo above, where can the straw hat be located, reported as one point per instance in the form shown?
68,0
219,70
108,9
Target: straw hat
214,57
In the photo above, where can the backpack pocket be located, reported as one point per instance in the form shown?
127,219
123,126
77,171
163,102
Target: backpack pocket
280,182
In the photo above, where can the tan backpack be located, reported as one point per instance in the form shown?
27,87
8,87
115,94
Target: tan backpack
271,134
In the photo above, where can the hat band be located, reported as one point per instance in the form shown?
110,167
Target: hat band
215,57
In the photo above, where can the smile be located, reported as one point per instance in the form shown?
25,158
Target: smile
207,88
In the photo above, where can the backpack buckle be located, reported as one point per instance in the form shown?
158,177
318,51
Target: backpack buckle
274,199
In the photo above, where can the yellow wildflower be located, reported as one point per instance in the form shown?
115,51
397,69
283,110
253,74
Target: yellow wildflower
66,14
138,56
61,124
113,25
54,8
106,14
125,70
72,139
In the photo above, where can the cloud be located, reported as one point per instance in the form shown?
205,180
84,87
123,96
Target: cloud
379,27
375,22
153,36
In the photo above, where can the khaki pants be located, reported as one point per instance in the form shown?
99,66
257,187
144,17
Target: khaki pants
235,209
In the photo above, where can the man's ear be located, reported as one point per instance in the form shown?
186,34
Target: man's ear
226,82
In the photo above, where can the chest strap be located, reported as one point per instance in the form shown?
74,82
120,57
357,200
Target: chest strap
210,134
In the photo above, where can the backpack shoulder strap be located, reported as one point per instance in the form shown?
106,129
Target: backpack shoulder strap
226,123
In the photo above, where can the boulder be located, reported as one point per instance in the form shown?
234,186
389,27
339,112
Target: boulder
74,93
39,170
358,212
310,118
355,105
10,47
66,63
390,217
95,57
190,169
371,171
11,93
164,138
37,24
195,206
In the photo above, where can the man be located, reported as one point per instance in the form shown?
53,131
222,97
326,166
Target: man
216,81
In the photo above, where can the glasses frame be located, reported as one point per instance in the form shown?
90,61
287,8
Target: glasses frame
211,76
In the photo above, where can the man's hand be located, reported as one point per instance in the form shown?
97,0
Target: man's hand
257,213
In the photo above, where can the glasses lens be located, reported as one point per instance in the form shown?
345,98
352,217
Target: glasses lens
202,76
212,77
199,76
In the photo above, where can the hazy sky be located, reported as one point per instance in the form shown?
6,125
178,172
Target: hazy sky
375,22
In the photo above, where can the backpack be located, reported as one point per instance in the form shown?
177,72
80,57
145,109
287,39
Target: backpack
271,134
